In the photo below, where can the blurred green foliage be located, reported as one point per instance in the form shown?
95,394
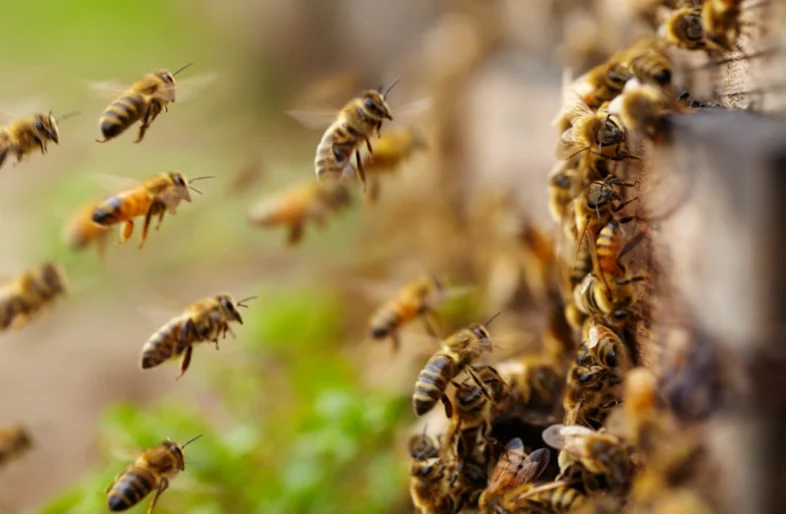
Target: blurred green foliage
313,442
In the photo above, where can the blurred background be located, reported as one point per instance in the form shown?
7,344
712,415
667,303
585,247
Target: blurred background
302,413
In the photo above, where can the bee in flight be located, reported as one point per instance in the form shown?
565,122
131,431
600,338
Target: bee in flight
205,320
82,231
22,137
14,441
144,100
309,201
154,197
29,293
391,150
457,354
153,470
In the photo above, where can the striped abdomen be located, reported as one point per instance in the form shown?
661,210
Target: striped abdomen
130,488
168,342
392,316
334,152
432,382
122,207
121,114
582,265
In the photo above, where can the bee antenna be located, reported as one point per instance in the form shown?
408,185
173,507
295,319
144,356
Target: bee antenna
192,188
201,178
68,115
241,302
191,441
492,318
183,68
385,94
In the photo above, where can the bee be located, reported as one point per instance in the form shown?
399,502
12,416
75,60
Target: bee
457,353
598,132
609,247
22,137
647,62
144,101
418,298
308,201
641,108
15,440
355,123
590,392
391,150
600,84
472,416
721,22
562,190
153,470
82,231
684,29
202,321
469,480
423,447
535,381
602,347
600,454
513,469
552,498
429,487
154,197
29,293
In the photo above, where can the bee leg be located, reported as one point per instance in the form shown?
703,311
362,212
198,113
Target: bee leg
448,406
146,121
359,170
160,219
185,361
368,145
295,233
161,488
126,230
146,226
395,340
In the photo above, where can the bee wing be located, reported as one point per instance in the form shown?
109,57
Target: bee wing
552,436
23,108
569,146
314,119
594,336
108,89
331,88
410,112
191,87
114,183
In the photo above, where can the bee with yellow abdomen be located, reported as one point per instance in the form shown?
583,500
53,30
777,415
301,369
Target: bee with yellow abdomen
82,231
22,137
554,498
418,298
429,487
154,197
684,29
29,293
600,132
391,150
457,354
355,124
14,441
294,207
205,320
144,100
153,470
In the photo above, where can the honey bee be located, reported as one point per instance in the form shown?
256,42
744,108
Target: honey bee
391,150
154,197
600,454
457,353
308,201
562,190
598,132
590,393
469,480
82,231
552,498
202,321
14,441
513,469
535,381
602,347
641,108
144,101
600,84
609,247
29,293
22,137
355,123
684,29
721,22
153,470
418,298
647,61
423,446
429,487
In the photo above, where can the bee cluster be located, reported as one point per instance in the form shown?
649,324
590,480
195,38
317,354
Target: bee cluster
581,424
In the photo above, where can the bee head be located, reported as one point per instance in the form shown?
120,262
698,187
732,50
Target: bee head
228,308
53,278
45,126
181,184
479,331
692,27
599,194
168,80
374,102
610,133
176,450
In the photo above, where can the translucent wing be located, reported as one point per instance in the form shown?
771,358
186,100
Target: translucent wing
330,88
569,146
23,108
594,336
314,120
408,113
552,436
189,88
109,89
113,183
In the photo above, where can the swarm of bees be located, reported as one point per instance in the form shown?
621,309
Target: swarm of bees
576,425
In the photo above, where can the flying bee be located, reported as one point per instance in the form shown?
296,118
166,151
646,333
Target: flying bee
513,469
22,137
153,470
294,207
391,150
154,197
553,498
144,100
205,320
15,440
418,298
429,487
29,293
456,354
599,453
82,231
598,132
641,108
684,29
